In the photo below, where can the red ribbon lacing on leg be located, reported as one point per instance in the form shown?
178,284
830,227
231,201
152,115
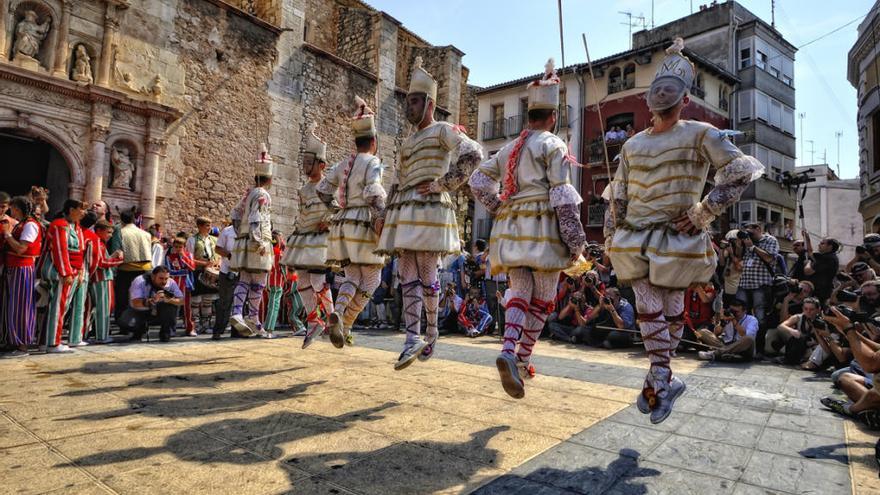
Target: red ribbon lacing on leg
648,391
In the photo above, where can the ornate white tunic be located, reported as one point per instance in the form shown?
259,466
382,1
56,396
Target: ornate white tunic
307,245
526,232
252,249
416,222
661,176
352,238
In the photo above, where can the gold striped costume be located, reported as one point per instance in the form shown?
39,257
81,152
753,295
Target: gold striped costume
416,222
352,238
661,176
525,232
307,245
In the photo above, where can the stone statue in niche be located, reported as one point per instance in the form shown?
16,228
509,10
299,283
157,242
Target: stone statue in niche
82,67
123,169
28,37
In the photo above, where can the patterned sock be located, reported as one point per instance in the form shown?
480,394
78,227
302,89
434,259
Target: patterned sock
673,309
412,310
514,321
538,312
239,296
431,295
655,333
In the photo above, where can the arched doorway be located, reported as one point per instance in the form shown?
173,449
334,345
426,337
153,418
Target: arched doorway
29,161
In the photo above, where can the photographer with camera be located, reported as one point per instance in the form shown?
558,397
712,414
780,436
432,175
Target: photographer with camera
868,252
821,266
733,338
448,308
611,311
731,258
793,336
793,302
572,308
701,307
154,298
759,259
860,332
865,299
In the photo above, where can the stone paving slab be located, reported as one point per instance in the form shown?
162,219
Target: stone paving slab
264,417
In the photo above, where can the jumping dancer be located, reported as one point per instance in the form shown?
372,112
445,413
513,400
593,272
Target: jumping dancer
252,251
537,230
420,225
657,235
356,183
307,246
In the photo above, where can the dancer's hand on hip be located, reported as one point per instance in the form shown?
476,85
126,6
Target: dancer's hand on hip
684,225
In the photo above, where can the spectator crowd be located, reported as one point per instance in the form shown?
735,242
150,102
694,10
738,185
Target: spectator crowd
83,272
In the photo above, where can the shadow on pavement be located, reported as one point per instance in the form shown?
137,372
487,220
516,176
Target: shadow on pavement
620,475
274,429
113,367
195,405
206,380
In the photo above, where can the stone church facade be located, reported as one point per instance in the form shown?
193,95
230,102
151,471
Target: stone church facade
162,104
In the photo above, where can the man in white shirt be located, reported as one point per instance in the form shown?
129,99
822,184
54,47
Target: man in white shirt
226,286
733,337
153,298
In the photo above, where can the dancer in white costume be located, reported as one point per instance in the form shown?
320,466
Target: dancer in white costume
657,235
536,231
420,223
307,247
252,255
356,184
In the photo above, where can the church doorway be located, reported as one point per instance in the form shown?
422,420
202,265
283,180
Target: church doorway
28,161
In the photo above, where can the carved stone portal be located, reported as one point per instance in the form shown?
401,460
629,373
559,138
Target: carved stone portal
29,35
123,168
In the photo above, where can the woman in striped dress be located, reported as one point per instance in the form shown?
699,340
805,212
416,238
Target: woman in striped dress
23,244
62,268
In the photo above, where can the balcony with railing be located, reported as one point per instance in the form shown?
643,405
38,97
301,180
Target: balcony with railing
597,151
698,92
621,85
494,129
516,124
595,215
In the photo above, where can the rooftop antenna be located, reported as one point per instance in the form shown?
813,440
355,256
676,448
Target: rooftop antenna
838,134
812,151
629,23
773,13
652,14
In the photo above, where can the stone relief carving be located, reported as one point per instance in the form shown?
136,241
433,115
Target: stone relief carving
29,35
123,168
82,67
129,118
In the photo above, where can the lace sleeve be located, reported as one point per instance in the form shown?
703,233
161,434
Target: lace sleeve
466,155
485,190
735,171
570,227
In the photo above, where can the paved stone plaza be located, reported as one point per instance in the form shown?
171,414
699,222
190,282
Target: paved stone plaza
265,417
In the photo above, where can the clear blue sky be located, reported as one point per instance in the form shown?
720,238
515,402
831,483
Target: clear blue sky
508,39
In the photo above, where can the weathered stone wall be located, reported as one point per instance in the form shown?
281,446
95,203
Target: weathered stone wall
469,109
227,61
355,42
322,19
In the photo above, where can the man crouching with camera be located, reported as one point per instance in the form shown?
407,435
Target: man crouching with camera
153,299
733,338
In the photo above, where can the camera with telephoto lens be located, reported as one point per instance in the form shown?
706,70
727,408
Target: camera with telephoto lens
606,300
848,296
843,276
861,250
819,323
728,313
853,315
742,235
782,286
